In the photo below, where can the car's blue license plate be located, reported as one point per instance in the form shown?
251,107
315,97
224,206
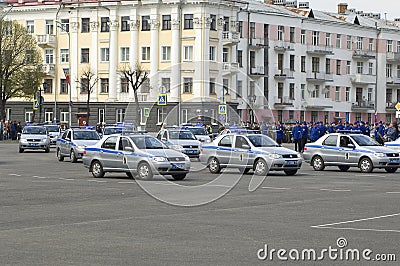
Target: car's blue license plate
291,162
190,151
394,160
34,144
178,166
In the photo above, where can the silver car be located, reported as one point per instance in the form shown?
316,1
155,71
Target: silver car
54,132
181,140
248,152
200,133
73,142
140,155
395,145
34,138
350,150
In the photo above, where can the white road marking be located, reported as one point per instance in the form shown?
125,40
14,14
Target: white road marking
335,190
358,220
14,175
393,192
278,188
68,179
357,229
41,177
127,182
367,175
97,181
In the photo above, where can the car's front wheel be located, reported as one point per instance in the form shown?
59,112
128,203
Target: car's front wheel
290,172
391,170
366,165
344,168
47,150
179,176
318,163
72,157
97,169
261,167
21,150
214,166
59,156
144,171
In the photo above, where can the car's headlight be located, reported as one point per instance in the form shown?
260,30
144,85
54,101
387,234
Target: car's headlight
159,159
81,147
379,154
274,156
187,158
24,141
177,147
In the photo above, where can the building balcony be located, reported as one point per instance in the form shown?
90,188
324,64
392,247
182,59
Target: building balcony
46,40
282,102
362,105
257,71
317,103
257,43
319,77
392,82
229,68
363,55
230,37
362,79
49,69
283,46
319,50
393,57
282,74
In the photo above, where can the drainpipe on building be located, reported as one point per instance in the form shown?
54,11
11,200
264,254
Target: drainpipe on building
376,71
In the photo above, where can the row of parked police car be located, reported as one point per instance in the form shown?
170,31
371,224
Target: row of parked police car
120,149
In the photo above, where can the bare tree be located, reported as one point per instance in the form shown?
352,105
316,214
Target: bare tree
88,81
135,76
21,71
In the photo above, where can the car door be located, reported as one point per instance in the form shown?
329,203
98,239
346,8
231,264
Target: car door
329,149
125,148
108,153
224,150
347,153
240,155
65,144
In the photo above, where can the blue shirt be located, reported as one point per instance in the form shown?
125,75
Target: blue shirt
280,132
296,132
304,132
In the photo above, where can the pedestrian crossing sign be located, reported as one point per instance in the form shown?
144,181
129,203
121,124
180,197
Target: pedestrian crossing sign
222,109
35,104
162,99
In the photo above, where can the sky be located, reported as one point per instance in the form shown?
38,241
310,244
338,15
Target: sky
391,7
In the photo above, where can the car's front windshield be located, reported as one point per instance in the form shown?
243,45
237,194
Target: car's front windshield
34,130
262,141
181,135
363,140
112,130
86,135
198,130
148,142
52,128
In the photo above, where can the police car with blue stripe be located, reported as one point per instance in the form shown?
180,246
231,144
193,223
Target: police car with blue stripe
348,149
73,142
395,145
180,139
135,154
247,152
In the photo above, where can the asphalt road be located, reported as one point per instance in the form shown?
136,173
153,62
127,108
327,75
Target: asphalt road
56,213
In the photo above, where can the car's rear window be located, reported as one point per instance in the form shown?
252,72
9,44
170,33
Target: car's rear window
86,135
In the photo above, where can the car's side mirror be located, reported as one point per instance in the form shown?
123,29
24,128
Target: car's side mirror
130,149
245,146
351,146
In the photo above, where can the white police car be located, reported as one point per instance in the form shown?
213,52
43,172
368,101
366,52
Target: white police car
199,132
180,139
54,132
34,138
395,145
73,141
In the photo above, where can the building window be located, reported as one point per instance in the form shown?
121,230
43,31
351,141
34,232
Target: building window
240,58
84,85
124,54
292,38
165,85
327,92
291,91
347,95
124,85
239,89
188,22
63,86
303,91
104,54
314,116
187,85
85,27
145,88
338,41
166,22
328,39
165,53
49,26
315,93
49,56
104,85
84,55
348,42
338,67
145,23
213,51
125,23
105,24
291,62
360,66
161,114
226,24
64,25
28,116
398,47
371,45
371,68
48,115
327,66
213,24
389,46
281,30
102,116
303,37
389,70
315,64
212,86
359,43
337,94
303,64
146,53
187,53
315,38
120,115
48,86
348,67
64,55
253,30
369,95
225,55
64,115
30,26
184,116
